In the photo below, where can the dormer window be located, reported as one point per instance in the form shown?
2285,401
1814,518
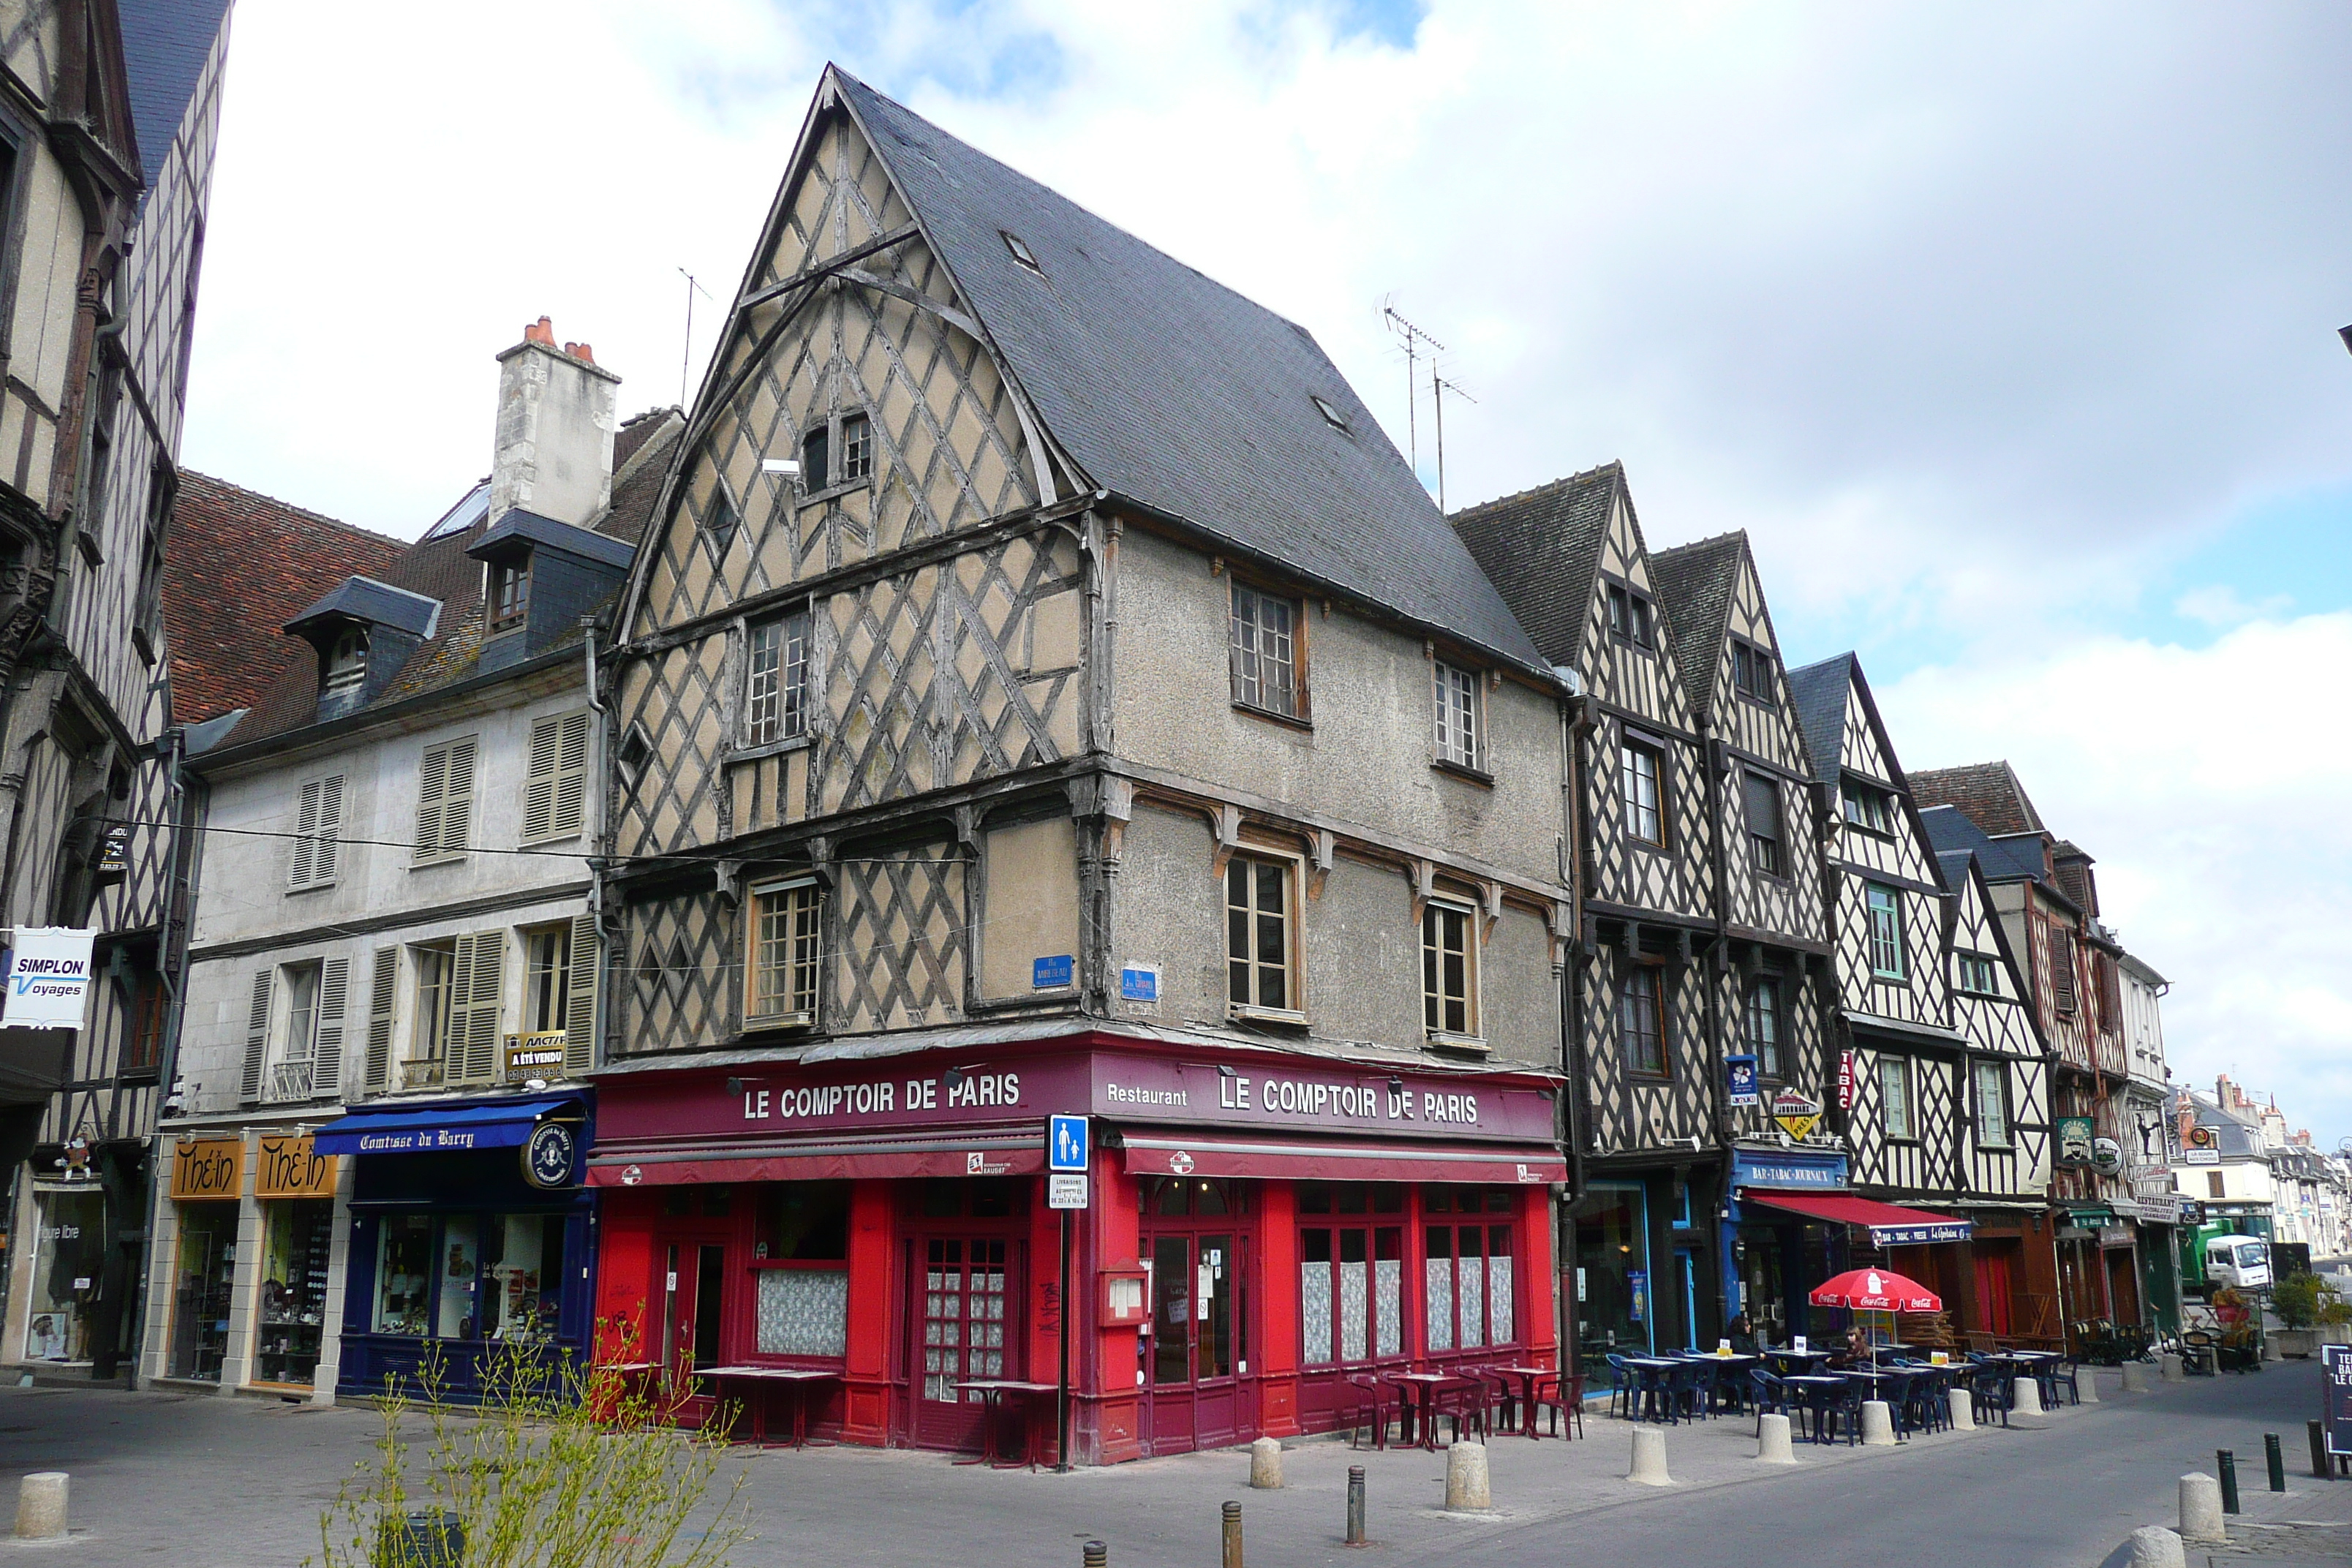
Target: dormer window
346,660
509,600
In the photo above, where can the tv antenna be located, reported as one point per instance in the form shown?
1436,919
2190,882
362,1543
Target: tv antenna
1416,344
686,354
1438,387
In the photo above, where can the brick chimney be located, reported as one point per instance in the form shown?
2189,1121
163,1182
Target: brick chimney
553,453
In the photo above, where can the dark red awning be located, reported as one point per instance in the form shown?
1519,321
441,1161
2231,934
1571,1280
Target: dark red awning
1160,1155
655,1162
1888,1225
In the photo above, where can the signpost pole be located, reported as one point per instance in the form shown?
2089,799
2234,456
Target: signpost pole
1062,1396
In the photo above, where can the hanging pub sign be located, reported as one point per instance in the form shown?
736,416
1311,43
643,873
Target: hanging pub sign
2203,1147
2335,1396
1795,1113
2107,1156
1739,1080
207,1168
1845,1080
48,978
2076,1134
291,1167
550,1156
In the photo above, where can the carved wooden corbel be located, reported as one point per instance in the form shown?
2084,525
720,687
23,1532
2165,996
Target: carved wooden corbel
728,876
967,831
1561,920
1425,886
1321,844
1490,895
1225,822
1117,811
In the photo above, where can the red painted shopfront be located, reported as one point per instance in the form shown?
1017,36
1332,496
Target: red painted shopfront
1261,1227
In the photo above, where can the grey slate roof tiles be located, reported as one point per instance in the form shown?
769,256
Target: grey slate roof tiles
1170,389
1818,690
1542,549
1696,581
165,45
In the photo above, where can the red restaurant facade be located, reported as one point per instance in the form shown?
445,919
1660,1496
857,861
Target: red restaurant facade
1260,1226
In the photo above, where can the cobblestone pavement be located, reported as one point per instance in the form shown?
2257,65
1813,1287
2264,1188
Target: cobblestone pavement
200,1481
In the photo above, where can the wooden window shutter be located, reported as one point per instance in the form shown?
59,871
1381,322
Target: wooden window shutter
580,1003
445,799
328,829
555,798
458,806
432,784
257,1037
473,1054
302,871
381,1000
572,776
327,1059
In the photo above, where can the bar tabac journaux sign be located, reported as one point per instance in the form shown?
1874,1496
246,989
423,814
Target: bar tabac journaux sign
288,1167
207,1168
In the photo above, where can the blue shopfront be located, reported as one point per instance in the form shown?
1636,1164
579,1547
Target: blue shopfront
472,1238
1773,1256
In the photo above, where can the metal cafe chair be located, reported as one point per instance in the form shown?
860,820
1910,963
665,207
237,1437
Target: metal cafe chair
2056,1374
1839,1408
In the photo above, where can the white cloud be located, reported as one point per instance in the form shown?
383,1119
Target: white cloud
2211,785
2219,605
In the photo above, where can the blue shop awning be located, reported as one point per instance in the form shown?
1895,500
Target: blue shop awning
440,1127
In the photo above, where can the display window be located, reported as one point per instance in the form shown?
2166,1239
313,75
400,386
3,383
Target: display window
69,1247
1466,1267
801,1266
297,1252
201,1290
492,1277
1613,1276
1351,1271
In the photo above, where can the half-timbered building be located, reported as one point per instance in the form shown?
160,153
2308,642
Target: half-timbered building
1943,1088
1646,1038
1044,689
108,123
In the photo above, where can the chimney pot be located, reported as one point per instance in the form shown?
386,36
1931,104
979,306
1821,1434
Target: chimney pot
580,352
541,331
553,448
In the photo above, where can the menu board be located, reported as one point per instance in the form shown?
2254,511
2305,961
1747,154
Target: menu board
2336,1392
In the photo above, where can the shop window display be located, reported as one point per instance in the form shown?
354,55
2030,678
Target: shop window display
1466,1267
200,1303
1612,1277
70,1246
403,1273
296,1239
801,1261
458,1259
522,1278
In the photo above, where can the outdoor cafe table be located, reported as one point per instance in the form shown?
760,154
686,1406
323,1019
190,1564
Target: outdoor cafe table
1878,1377
1528,1376
1656,1367
992,1391
1780,1361
1420,1389
1818,1388
796,1378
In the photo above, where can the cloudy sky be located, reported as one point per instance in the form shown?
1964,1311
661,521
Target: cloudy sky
2007,332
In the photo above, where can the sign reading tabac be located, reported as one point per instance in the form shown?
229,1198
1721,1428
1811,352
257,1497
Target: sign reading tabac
207,1168
289,1167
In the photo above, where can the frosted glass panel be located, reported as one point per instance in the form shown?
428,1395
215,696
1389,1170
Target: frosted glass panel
1439,1291
1499,1299
1315,1311
1388,1296
805,1311
1353,1301
1474,1322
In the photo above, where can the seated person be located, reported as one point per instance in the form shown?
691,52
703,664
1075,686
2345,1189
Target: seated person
1742,1334
1855,1350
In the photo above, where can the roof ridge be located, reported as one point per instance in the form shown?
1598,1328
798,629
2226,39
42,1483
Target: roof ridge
1739,534
298,510
1547,488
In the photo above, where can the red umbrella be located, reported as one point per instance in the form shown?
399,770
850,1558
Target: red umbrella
1876,1291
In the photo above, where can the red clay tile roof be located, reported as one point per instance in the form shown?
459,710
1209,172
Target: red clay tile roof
1987,794
237,566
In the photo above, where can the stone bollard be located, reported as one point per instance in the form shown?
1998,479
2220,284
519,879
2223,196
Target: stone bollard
2086,1384
1466,1491
41,1505
2200,1509
1964,1411
2025,1399
2171,1368
1877,1425
2135,1377
1266,1463
1649,1459
2152,1546
1773,1445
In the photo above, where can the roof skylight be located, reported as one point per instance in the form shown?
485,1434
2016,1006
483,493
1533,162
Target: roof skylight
1021,253
1331,415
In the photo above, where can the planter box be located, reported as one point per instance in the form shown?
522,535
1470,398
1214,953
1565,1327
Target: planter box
2300,1344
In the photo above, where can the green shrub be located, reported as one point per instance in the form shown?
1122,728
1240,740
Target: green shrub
2305,1301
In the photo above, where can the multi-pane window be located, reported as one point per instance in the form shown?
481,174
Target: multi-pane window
1764,828
1992,1104
1457,715
1628,615
1640,771
1265,652
547,975
1976,974
785,950
1866,805
1885,910
428,1034
1763,1026
722,516
510,592
775,690
1351,1271
1257,935
1466,1284
1751,670
146,1047
1641,1021
289,1074
857,448
445,799
1449,969
1894,1095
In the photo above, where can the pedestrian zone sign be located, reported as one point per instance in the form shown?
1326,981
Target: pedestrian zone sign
1065,1144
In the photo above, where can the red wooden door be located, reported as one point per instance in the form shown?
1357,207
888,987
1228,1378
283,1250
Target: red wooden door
963,1284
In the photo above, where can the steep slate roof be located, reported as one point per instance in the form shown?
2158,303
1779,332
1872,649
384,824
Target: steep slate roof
238,567
1818,690
374,600
1696,581
1989,792
1175,392
164,43
1542,549
2010,858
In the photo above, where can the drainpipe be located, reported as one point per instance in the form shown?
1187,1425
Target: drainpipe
599,769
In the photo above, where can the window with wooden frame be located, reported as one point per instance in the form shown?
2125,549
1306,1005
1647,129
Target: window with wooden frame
1264,648
1351,1291
1884,908
1467,1291
801,1271
1449,969
429,1028
1975,974
143,1049
2111,996
786,948
1641,771
147,619
2216,1184
509,595
1261,937
2062,970
445,799
722,516
317,830
857,448
1992,1104
477,1009
556,796
1630,617
817,460
547,978
1762,1027
1460,725
775,681
1642,1020
1866,805
295,1049
1751,670
1765,835
1894,1096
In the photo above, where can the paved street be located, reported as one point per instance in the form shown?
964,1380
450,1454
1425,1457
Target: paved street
204,1482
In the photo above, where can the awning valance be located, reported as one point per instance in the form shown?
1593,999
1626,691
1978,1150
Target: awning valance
879,1155
1160,1155
442,1126
1888,1225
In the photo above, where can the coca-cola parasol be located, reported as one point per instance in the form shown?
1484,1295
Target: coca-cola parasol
1876,1291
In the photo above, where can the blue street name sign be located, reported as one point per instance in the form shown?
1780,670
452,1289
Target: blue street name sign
1047,973
1065,1144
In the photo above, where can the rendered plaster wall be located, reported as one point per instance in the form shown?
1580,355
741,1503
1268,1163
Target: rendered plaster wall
1031,904
1367,759
1360,947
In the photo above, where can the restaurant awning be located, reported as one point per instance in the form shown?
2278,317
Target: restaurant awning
1888,1225
995,1152
438,1127
1160,1155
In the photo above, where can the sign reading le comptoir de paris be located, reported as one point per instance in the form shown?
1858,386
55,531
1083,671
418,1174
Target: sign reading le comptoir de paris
48,978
